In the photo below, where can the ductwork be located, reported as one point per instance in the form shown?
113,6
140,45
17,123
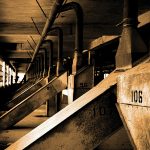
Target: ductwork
49,22
38,66
50,53
60,48
60,41
58,8
44,60
78,33
79,23
131,45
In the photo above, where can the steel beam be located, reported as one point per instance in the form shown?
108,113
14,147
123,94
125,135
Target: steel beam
23,95
34,101
84,124
24,87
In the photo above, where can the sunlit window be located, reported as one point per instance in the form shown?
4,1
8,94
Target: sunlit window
3,69
14,75
105,75
10,77
20,75
7,74
1,73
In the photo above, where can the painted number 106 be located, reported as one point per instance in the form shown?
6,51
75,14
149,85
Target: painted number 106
137,96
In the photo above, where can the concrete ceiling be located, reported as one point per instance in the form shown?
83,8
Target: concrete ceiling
17,17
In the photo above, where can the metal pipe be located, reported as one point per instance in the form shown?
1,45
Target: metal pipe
38,67
40,58
131,46
51,54
87,54
50,65
60,48
79,23
49,22
41,65
89,57
35,69
60,41
77,60
44,61
130,13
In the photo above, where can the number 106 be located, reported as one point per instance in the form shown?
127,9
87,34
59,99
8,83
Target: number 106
137,96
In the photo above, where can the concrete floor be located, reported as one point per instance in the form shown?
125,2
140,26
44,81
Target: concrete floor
118,141
23,127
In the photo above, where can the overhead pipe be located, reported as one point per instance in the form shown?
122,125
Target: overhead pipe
44,62
38,67
41,64
78,32
32,70
79,23
87,54
49,22
50,54
131,44
35,68
60,48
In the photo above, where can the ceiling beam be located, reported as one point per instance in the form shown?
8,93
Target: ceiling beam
68,29
101,40
143,19
19,53
11,33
